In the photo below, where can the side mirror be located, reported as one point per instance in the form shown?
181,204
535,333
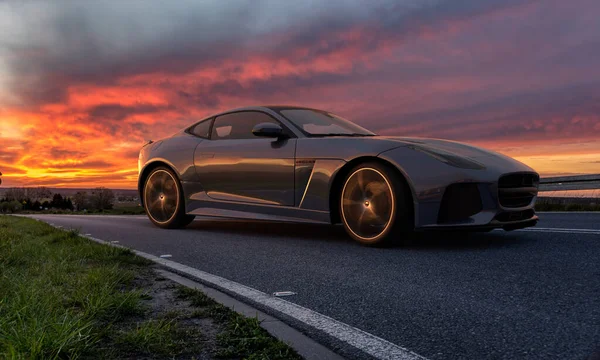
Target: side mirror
269,130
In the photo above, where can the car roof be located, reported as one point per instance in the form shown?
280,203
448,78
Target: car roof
274,108
266,107
285,107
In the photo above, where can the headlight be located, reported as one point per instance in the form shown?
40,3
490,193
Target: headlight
449,158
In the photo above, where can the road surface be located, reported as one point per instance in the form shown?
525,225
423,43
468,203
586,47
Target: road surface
524,294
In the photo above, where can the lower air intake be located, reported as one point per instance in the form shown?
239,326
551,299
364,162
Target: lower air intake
460,202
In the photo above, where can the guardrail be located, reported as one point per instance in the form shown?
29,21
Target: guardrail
577,182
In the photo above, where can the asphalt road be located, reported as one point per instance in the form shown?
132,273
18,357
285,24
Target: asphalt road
524,294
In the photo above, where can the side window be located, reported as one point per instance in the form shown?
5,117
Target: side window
239,125
202,129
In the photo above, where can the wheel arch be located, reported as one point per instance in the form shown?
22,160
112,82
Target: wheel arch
148,169
337,184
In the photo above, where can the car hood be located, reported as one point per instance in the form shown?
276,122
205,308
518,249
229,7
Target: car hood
480,155
453,147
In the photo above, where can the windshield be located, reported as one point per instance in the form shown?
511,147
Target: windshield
321,123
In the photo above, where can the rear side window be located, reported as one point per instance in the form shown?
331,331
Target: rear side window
239,125
202,129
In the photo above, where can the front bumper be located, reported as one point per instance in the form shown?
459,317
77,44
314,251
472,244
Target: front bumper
473,205
494,224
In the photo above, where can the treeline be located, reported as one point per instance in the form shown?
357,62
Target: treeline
38,199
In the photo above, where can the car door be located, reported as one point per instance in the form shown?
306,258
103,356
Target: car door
236,165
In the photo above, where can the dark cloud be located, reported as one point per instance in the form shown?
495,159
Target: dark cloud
94,42
120,112
569,111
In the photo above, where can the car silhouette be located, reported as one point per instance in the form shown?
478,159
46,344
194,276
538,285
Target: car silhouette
289,163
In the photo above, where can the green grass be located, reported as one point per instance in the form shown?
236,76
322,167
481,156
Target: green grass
158,337
242,338
56,288
65,297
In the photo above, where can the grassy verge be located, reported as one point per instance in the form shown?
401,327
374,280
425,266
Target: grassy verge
121,210
63,296
566,207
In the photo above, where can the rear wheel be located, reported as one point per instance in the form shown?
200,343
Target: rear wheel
373,205
163,199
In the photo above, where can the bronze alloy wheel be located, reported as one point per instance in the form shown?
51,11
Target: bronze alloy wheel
163,199
367,204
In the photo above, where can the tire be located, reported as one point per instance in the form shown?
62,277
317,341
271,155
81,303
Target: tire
375,205
163,199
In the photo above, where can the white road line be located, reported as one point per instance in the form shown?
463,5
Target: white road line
560,231
373,345
563,229
370,344
569,212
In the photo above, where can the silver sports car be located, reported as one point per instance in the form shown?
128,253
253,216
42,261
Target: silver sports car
290,163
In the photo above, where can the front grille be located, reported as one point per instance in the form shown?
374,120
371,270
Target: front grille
515,216
517,190
460,201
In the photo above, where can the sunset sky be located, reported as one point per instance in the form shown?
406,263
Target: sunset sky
84,83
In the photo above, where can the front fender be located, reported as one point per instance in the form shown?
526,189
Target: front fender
176,152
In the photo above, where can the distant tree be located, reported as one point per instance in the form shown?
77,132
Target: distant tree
36,205
16,206
102,198
39,193
68,204
46,205
81,200
18,194
57,201
27,204
12,206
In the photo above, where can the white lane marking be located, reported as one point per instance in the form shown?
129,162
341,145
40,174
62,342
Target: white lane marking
114,242
568,212
88,234
166,256
369,343
373,345
283,293
560,231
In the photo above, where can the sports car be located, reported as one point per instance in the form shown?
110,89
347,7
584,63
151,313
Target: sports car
288,163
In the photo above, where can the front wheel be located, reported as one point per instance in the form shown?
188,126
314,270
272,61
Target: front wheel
374,205
163,200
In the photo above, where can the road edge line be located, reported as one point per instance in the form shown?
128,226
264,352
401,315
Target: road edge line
305,346
368,343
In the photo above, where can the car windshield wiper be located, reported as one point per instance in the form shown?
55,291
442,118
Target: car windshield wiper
342,134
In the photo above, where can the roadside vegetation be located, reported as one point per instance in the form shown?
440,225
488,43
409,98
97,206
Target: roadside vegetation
554,206
63,296
42,200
